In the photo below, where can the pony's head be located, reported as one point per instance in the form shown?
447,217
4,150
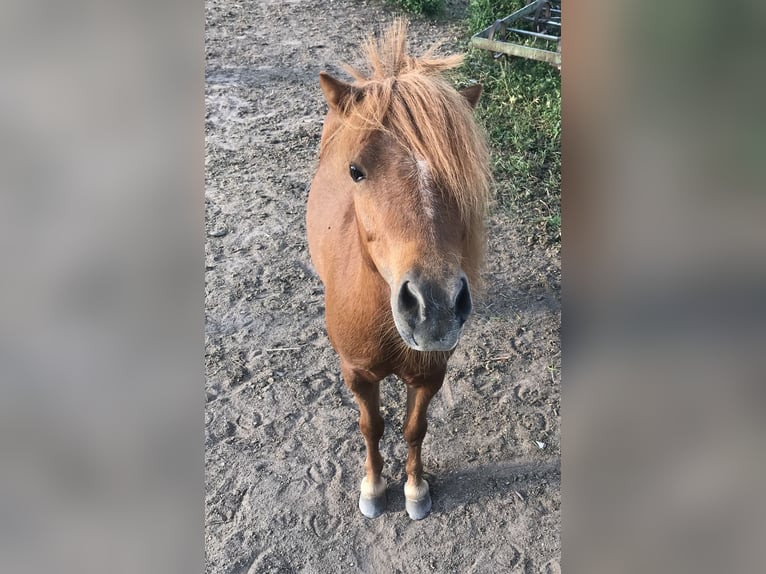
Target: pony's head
404,143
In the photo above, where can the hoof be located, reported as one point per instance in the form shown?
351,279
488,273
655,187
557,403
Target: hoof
372,507
417,499
418,509
372,500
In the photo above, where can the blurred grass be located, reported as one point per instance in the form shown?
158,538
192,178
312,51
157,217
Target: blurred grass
425,7
521,111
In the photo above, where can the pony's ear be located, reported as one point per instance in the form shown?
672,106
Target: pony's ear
471,94
337,93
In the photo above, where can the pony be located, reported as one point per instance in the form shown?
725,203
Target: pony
395,225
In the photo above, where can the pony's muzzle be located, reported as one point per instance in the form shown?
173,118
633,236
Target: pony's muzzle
428,316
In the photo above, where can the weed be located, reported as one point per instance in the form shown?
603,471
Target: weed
425,7
481,13
521,111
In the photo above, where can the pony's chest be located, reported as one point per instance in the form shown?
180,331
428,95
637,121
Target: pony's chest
359,324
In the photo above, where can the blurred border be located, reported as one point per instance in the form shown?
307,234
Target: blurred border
101,343
664,277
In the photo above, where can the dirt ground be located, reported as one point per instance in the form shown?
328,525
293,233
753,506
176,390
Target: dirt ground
284,456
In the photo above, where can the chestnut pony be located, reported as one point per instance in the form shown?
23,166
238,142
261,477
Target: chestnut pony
395,227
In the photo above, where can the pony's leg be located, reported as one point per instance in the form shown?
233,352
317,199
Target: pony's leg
372,499
416,492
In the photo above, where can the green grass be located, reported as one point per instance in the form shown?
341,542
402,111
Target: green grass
521,111
425,7
481,13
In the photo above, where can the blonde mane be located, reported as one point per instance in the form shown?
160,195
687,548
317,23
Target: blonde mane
408,98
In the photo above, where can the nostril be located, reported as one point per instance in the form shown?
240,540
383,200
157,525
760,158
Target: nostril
463,302
408,302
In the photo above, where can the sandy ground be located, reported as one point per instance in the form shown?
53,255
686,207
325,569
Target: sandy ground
284,456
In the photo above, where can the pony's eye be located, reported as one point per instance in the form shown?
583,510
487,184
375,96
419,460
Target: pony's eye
356,173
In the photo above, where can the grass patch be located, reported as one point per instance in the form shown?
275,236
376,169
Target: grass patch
425,7
521,112
481,13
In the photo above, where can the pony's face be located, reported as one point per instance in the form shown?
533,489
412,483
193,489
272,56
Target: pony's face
415,239
409,221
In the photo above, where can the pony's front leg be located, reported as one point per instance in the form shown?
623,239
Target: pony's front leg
372,499
416,492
